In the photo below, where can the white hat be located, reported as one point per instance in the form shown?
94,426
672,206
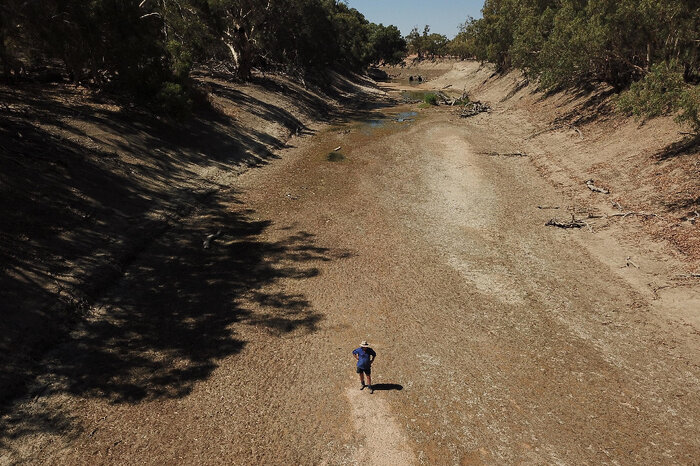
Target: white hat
364,344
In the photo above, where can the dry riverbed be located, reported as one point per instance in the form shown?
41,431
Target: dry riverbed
500,340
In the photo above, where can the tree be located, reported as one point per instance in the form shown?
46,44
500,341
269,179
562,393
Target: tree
386,45
415,42
240,23
464,43
435,45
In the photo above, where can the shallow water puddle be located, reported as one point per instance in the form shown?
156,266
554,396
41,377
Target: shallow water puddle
405,116
375,123
410,96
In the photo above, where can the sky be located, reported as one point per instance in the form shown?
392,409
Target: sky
443,16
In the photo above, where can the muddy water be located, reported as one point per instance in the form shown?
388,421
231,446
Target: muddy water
389,120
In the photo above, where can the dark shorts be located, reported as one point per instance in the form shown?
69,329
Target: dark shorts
367,371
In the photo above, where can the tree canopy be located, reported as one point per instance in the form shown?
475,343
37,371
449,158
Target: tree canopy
647,47
147,47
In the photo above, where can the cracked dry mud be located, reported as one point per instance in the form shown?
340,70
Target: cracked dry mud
512,342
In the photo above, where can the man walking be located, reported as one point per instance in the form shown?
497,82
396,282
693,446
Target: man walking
365,357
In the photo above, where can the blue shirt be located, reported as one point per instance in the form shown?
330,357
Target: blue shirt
363,354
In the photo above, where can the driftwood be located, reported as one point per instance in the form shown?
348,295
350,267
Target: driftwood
632,214
504,154
463,100
443,98
574,223
547,207
210,238
474,108
692,218
595,188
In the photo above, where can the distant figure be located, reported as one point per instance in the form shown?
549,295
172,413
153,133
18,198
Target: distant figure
365,357
410,78
420,79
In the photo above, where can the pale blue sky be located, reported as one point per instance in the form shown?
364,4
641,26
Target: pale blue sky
443,16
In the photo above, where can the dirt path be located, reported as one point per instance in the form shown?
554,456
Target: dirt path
384,440
499,340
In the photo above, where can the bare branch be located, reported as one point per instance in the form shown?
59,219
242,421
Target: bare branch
155,13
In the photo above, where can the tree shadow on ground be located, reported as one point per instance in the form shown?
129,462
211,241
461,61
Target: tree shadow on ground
86,186
174,315
686,146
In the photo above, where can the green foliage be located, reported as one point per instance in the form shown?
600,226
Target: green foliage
648,46
386,45
569,42
147,49
415,42
463,45
427,44
431,99
174,101
663,91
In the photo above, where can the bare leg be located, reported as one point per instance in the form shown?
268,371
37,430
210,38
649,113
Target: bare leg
369,382
362,379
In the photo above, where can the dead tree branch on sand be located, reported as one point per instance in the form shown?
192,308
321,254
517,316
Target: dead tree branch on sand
506,154
580,222
474,108
208,240
631,214
574,223
630,263
595,188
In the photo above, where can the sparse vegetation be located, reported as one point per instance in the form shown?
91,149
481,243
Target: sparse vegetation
335,156
430,99
663,91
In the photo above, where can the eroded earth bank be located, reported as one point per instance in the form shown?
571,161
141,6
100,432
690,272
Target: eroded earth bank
500,339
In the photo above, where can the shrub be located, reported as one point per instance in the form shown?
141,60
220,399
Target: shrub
431,99
663,91
174,100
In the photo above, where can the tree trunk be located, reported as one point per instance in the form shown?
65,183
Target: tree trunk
241,51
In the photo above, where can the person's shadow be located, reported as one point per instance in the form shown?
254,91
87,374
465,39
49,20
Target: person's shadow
387,386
